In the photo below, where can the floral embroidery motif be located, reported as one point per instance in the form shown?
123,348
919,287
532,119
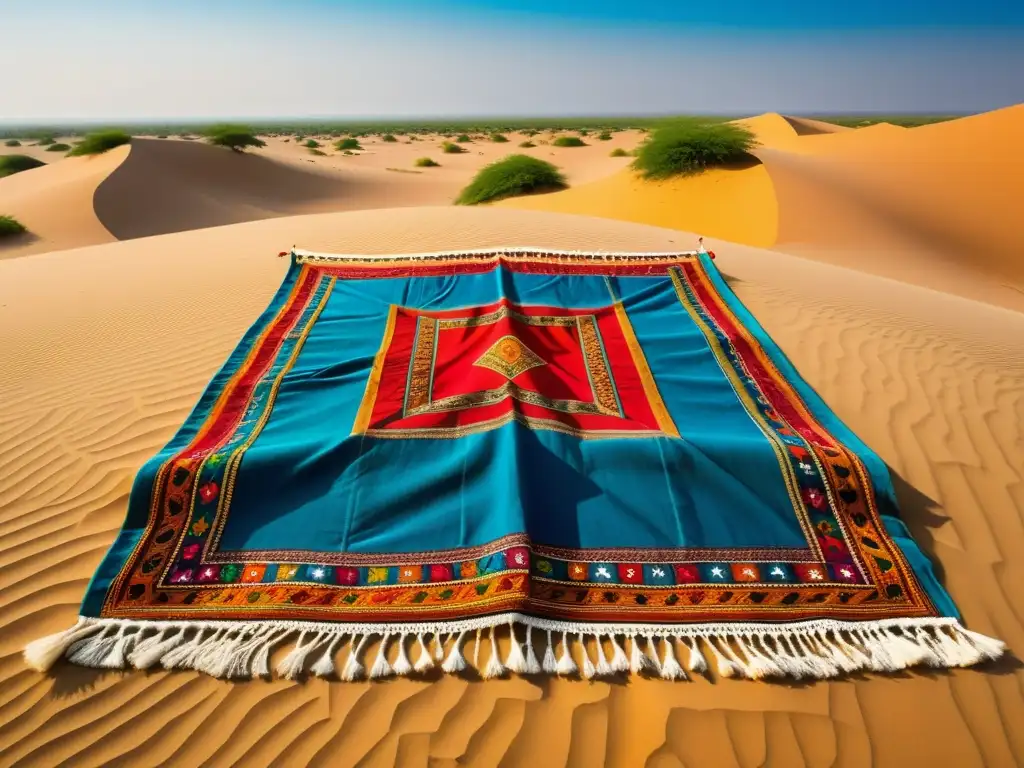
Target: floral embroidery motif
510,357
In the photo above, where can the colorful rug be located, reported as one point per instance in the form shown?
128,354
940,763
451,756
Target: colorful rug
603,455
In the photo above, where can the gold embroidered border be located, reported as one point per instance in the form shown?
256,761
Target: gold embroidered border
532,422
506,390
421,373
362,422
501,313
601,383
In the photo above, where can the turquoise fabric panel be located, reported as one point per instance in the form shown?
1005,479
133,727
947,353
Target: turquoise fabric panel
307,484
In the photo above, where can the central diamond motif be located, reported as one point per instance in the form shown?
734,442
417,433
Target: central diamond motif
509,357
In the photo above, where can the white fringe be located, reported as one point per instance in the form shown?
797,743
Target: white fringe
819,649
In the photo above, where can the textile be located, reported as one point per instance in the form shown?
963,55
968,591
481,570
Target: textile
602,446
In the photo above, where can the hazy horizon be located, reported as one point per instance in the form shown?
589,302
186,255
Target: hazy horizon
265,60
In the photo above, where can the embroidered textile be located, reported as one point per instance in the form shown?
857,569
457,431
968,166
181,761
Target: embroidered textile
571,444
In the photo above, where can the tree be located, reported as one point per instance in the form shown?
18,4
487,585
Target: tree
234,137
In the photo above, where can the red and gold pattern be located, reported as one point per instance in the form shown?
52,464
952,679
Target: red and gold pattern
450,373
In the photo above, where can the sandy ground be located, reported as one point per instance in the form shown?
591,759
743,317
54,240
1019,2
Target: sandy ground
95,379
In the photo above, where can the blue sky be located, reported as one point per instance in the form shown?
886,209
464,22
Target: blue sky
148,59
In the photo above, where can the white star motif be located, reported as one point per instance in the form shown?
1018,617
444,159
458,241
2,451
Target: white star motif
658,572
208,572
603,573
846,572
717,572
519,558
407,572
254,573
629,573
749,572
318,573
815,574
776,571
182,577
807,468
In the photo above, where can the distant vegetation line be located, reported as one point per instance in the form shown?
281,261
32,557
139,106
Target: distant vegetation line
483,126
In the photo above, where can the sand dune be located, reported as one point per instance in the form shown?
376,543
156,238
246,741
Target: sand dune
158,186
933,382
933,206
55,202
805,126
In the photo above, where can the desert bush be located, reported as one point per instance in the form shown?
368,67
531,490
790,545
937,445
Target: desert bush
426,162
619,152
10,226
317,152
527,145
312,144
463,138
584,132
162,136
452,149
46,141
234,137
12,143
99,142
348,144
512,176
499,138
388,138
568,141
58,148
690,147
12,164
604,136
347,152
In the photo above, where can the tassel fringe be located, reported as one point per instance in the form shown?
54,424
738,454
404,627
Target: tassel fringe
805,650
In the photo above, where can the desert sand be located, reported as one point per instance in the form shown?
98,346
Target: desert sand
925,362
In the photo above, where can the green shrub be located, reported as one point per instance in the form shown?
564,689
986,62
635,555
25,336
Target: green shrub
349,144
463,138
426,162
690,147
45,141
499,138
527,145
312,144
99,142
620,152
515,175
162,136
12,143
347,152
285,140
58,148
568,141
388,138
299,139
234,137
12,164
10,226
452,149
584,132
317,152
604,136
